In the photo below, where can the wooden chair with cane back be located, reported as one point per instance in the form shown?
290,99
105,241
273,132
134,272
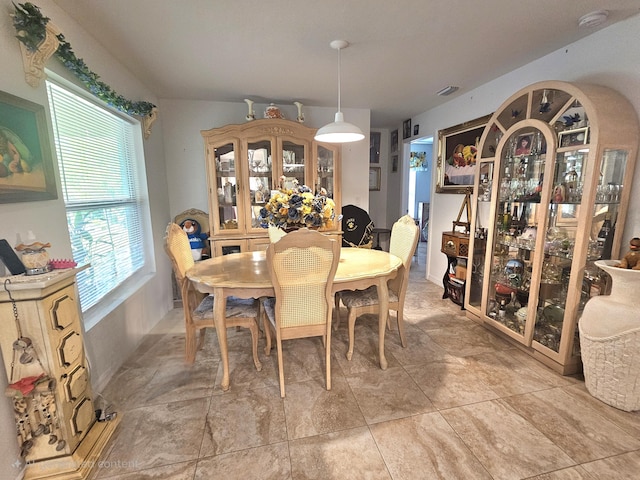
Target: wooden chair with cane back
302,266
404,239
198,307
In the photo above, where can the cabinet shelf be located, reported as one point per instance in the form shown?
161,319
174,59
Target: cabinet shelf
559,199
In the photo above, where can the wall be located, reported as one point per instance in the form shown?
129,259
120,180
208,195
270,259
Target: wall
113,339
606,57
378,199
184,147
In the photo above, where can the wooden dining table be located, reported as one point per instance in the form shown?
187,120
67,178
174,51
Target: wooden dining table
246,275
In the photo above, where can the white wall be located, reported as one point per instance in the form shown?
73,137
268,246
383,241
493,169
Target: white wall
609,57
112,340
378,199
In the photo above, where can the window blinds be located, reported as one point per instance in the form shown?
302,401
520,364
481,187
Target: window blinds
96,157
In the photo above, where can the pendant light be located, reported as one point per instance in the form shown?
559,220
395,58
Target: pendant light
339,131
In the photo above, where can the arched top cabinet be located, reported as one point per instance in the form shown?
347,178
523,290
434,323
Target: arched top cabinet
551,194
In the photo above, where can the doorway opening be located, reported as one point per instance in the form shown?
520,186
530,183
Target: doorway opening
421,168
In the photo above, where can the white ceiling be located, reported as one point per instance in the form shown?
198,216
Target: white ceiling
402,51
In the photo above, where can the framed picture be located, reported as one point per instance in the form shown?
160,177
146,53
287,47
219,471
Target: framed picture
523,144
374,147
394,141
394,163
416,129
406,129
457,148
570,138
26,168
374,178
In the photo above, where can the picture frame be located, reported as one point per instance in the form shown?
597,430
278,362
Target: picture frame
455,173
570,138
374,147
416,129
26,165
406,129
524,144
394,141
394,163
374,178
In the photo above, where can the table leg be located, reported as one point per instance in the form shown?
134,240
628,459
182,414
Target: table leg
219,309
383,302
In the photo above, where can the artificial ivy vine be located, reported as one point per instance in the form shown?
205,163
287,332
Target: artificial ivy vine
31,27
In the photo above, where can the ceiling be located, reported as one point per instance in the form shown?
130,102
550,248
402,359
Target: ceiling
402,52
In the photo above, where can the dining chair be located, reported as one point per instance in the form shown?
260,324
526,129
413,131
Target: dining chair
302,266
404,238
198,307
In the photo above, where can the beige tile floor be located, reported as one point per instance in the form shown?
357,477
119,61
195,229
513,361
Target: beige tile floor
457,403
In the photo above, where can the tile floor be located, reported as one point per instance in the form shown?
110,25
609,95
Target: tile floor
457,403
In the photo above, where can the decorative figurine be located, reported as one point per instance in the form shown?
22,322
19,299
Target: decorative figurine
251,115
272,111
300,117
632,259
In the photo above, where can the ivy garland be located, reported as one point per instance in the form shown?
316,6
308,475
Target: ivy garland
31,27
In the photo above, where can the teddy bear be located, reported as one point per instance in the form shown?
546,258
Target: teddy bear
197,238
632,258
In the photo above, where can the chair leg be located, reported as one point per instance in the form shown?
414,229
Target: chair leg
201,339
266,326
400,318
190,344
337,310
352,334
327,355
255,333
280,367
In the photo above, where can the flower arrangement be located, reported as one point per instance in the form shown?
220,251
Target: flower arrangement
298,207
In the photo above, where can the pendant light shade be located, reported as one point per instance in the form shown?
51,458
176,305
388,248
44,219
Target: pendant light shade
339,131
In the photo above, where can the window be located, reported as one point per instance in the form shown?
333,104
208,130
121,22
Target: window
98,152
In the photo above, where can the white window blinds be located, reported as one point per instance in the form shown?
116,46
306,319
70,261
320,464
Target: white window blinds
96,155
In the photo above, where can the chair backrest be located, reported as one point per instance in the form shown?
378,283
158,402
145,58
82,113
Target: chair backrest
404,239
179,250
357,227
194,214
302,266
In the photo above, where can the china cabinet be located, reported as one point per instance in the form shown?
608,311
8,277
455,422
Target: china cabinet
42,337
554,170
246,162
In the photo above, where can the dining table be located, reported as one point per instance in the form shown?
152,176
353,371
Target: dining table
246,275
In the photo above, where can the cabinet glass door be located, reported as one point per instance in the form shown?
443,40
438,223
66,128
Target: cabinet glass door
294,163
260,177
325,170
520,183
226,186
480,234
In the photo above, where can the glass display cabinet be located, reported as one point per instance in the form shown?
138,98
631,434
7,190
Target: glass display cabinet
551,196
246,162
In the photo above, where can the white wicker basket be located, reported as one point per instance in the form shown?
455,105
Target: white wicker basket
612,368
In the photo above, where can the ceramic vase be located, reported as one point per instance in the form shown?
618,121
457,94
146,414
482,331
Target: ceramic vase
610,340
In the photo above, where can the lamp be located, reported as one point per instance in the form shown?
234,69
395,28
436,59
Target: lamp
339,131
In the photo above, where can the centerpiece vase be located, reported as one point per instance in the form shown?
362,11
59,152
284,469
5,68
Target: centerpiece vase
610,340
